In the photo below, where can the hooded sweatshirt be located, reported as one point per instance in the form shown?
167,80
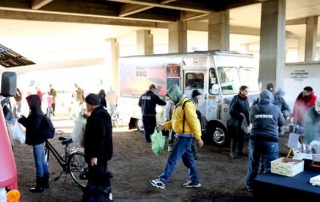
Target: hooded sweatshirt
281,103
191,124
265,118
35,122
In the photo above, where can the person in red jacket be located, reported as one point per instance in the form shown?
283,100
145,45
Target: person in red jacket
305,100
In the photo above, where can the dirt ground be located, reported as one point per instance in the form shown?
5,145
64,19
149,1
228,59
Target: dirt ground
134,164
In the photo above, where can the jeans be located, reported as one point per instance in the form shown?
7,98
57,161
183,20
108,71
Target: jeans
260,150
149,124
171,138
39,159
182,150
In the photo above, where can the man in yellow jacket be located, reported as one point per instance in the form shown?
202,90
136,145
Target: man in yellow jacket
186,124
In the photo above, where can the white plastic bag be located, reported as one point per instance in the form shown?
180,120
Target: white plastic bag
17,135
79,129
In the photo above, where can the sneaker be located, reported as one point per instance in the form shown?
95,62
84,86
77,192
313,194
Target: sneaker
157,183
191,184
169,149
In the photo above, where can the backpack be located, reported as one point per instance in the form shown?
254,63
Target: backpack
49,130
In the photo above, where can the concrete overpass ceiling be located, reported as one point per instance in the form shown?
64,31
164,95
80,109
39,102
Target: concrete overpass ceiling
56,30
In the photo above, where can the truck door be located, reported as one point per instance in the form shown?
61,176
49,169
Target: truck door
195,80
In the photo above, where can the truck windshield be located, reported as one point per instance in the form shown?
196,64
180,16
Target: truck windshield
229,80
249,77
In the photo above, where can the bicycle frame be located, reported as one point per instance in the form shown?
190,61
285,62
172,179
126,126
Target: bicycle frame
72,162
61,160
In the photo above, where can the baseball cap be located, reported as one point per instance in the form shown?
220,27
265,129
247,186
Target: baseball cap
152,86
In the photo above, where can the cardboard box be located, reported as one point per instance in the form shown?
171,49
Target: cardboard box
287,166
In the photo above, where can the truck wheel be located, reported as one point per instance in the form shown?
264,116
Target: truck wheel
218,135
139,125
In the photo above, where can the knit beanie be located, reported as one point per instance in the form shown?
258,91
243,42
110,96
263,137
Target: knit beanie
93,99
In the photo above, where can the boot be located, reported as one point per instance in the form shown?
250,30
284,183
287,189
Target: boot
240,149
232,153
39,186
46,180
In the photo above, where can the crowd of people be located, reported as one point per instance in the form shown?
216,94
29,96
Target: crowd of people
261,123
98,147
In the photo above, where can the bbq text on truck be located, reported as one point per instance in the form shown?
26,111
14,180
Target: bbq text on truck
217,75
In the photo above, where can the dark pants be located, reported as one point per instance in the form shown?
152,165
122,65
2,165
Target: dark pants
149,124
53,105
98,188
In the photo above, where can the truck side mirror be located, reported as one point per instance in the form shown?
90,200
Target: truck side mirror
215,89
8,84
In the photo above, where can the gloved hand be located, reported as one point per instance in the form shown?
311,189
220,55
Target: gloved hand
159,127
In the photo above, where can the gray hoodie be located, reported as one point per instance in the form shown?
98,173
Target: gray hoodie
265,118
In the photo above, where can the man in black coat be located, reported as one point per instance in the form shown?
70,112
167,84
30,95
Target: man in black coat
98,150
148,102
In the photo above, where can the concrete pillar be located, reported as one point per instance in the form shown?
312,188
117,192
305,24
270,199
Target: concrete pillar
311,38
111,62
219,31
178,37
272,43
144,42
301,49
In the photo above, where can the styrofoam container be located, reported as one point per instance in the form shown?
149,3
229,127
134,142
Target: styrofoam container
287,166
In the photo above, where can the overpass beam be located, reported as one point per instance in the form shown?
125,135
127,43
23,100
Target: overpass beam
272,43
144,42
311,38
178,37
111,62
219,31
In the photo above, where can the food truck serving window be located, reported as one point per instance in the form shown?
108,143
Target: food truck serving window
194,80
229,80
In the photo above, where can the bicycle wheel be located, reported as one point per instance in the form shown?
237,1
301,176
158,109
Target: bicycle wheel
78,167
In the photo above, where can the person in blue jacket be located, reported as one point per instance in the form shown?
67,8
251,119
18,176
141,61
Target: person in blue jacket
265,118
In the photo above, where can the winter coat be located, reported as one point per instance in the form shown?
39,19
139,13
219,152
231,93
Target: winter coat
301,105
265,118
282,104
239,105
35,123
191,124
98,135
148,102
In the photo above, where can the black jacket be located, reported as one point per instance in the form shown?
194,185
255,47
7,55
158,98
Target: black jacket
148,102
35,125
98,136
239,105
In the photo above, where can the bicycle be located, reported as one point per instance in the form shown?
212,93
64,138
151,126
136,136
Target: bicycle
115,116
72,160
